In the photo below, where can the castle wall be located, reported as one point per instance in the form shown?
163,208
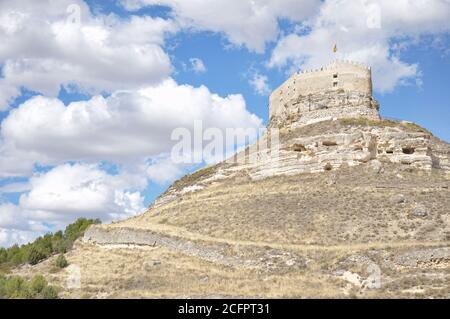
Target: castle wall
310,95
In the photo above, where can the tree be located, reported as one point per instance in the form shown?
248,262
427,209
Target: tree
58,242
2,287
46,246
15,255
16,287
61,262
36,255
49,292
3,255
38,284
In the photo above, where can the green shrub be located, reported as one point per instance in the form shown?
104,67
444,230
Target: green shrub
36,255
45,246
76,230
2,287
16,287
3,255
38,284
61,262
15,255
49,292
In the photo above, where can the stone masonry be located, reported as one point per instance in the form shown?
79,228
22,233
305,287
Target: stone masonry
340,90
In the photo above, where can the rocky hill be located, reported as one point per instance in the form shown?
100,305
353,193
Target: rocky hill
348,207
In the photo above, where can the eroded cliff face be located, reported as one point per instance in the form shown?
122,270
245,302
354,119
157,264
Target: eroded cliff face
342,200
327,105
364,155
331,145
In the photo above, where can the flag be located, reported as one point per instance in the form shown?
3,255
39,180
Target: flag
335,48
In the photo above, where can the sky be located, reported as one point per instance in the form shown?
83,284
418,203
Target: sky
92,91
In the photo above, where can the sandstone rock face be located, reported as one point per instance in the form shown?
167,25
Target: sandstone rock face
214,252
332,144
424,257
312,108
320,121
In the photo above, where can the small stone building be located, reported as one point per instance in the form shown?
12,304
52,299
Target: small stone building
340,89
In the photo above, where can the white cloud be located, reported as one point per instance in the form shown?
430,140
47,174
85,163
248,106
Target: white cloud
259,83
243,22
9,237
122,128
130,128
197,65
163,170
66,192
365,31
18,187
42,49
11,216
69,191
7,94
15,227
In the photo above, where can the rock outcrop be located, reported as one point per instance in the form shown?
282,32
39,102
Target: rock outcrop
329,180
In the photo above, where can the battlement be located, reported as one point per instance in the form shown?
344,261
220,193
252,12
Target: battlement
335,65
339,89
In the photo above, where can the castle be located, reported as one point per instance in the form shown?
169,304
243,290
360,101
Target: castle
341,89
351,178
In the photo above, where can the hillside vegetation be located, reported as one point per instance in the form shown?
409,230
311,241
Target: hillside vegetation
45,246
18,287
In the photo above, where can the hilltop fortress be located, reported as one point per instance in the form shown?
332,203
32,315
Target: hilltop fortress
341,89
344,190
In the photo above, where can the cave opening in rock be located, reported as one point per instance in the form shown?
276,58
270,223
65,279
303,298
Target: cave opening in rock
329,143
408,150
298,148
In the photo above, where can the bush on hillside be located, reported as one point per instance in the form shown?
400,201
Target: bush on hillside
36,255
61,262
45,246
16,287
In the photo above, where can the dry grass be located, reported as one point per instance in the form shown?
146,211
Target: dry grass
158,272
191,178
133,272
409,126
331,127
358,208
314,225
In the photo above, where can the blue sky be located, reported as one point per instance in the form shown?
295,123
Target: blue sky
87,109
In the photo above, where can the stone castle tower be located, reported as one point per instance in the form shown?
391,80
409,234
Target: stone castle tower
338,90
